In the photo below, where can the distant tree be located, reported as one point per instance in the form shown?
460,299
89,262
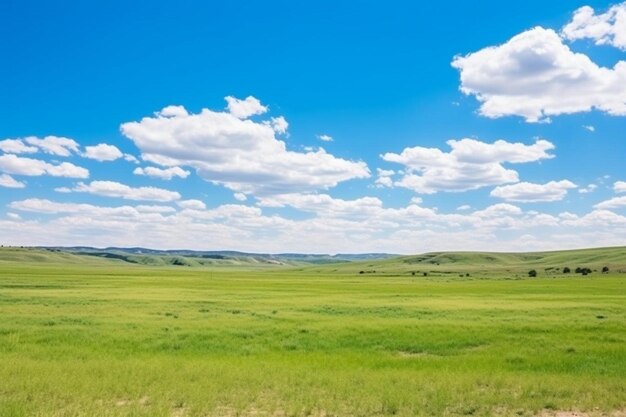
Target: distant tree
413,273
361,272
566,270
578,270
425,274
532,273
605,269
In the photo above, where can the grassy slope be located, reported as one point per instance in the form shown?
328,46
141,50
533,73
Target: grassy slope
486,263
115,339
44,256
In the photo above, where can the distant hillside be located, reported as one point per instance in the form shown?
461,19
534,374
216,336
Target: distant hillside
463,263
451,264
189,258
596,256
33,255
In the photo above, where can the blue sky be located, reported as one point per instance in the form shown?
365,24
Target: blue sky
447,127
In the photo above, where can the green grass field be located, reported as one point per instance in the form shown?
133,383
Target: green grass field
83,336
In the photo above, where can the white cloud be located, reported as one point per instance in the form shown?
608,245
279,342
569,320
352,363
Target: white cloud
116,189
13,216
615,202
527,192
131,158
384,177
242,109
192,204
323,204
240,196
619,186
588,189
535,75
589,128
54,145
605,29
103,152
154,209
325,138
279,124
12,164
10,182
464,207
16,146
164,174
172,111
242,155
90,212
471,164
331,225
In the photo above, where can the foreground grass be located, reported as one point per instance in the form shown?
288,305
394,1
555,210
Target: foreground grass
117,340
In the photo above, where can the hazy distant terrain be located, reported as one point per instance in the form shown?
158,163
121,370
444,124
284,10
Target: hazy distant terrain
201,258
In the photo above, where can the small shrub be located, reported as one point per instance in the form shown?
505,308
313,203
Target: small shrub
605,269
532,273
566,270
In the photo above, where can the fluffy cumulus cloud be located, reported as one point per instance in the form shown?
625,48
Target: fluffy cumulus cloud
164,174
192,204
384,177
240,196
325,138
243,155
471,164
16,146
279,124
103,152
118,190
243,109
16,165
613,203
527,192
535,75
330,225
619,186
10,182
54,145
607,28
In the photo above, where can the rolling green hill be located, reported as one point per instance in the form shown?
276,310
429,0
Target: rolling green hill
485,263
60,256
446,264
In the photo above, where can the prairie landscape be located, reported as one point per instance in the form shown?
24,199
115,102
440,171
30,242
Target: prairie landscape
320,208
447,334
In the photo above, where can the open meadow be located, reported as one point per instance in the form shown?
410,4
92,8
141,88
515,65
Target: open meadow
84,336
